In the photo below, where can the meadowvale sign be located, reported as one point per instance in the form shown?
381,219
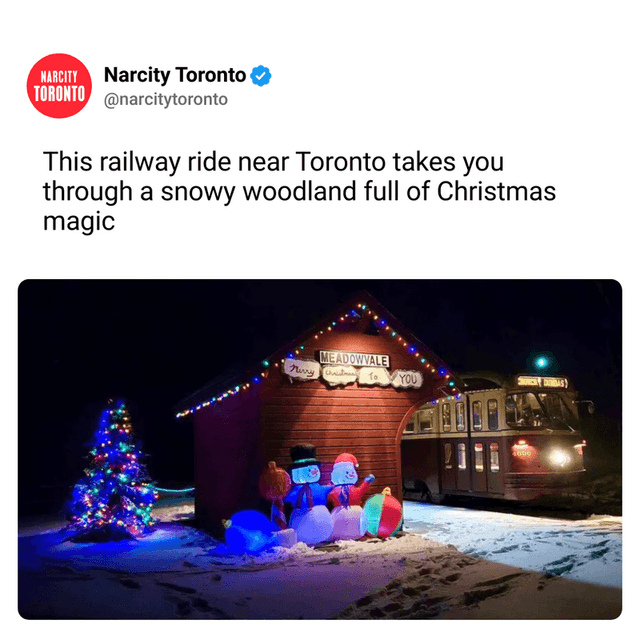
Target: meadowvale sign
354,359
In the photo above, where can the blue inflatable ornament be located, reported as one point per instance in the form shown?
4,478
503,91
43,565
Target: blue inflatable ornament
249,532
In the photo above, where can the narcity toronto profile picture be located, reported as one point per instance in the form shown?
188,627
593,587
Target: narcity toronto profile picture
59,85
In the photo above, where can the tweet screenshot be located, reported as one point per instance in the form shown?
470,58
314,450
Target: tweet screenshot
315,310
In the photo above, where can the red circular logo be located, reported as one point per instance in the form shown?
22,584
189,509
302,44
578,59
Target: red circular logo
59,85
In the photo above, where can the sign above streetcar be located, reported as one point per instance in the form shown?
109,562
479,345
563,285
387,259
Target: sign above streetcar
542,382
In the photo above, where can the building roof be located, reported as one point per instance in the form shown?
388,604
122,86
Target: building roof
362,312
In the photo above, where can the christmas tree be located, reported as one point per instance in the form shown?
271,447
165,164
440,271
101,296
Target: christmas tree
114,501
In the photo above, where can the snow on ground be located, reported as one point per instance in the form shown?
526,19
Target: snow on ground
589,550
178,572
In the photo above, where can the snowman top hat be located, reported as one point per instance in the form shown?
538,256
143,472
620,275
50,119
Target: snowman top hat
303,455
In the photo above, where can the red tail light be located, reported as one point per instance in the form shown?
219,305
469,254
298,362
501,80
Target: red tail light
578,447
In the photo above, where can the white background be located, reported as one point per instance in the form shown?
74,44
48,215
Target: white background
550,86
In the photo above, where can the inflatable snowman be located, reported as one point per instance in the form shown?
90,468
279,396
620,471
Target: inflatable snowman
310,517
349,519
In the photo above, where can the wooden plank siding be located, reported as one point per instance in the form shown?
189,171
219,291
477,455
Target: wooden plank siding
235,440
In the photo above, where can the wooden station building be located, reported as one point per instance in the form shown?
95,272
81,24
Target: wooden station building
350,384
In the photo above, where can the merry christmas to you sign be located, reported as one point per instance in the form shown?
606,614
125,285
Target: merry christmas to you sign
343,374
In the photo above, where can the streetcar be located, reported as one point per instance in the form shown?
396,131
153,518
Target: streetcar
514,438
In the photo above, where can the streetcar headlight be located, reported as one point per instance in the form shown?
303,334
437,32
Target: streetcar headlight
559,458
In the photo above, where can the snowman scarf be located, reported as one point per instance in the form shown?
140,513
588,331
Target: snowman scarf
344,495
306,490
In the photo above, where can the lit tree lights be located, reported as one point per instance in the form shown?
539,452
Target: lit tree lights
114,501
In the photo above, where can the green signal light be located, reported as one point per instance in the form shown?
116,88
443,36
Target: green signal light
541,362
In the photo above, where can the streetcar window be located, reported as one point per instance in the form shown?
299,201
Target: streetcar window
494,461
557,411
538,411
448,450
424,420
492,410
479,455
446,417
462,456
476,407
460,426
524,410
411,425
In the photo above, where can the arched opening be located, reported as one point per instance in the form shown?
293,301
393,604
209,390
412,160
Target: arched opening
417,451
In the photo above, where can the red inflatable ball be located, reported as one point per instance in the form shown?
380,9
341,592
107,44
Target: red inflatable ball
384,514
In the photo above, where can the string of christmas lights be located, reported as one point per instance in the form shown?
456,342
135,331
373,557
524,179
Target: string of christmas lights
380,322
115,499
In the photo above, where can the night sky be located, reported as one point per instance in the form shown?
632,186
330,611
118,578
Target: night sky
154,343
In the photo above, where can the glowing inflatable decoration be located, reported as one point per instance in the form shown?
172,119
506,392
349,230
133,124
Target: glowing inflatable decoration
384,514
274,485
310,518
348,524
249,532
312,526
349,519
285,538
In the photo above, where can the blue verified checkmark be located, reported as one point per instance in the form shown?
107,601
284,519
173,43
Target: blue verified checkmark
260,75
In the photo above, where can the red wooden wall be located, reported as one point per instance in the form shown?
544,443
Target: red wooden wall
226,457
235,440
